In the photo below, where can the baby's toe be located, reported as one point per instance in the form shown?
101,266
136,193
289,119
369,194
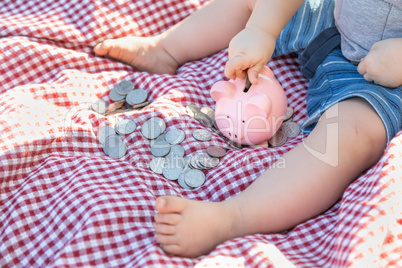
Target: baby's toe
166,239
167,218
165,229
101,49
171,204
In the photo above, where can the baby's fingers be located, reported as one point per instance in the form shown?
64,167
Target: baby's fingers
253,73
361,68
373,74
235,68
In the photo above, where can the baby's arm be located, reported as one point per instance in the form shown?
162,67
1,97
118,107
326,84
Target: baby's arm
252,48
383,64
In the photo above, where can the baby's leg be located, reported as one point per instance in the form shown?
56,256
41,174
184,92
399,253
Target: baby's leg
201,34
349,138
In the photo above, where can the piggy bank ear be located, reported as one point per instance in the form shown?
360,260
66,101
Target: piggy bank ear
223,89
259,104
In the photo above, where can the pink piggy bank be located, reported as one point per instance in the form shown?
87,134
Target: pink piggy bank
251,117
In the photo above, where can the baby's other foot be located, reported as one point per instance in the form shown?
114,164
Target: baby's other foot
142,53
191,228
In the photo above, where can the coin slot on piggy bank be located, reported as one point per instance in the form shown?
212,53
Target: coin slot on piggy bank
249,117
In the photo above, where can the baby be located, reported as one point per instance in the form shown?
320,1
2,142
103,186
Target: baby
354,110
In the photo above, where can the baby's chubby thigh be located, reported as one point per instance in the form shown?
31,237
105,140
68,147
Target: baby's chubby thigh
311,19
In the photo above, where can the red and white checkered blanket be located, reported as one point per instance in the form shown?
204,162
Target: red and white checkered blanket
63,202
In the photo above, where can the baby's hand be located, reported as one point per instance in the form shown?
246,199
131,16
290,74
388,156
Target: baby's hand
249,51
383,64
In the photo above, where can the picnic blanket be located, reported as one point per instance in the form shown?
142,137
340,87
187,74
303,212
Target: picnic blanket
65,203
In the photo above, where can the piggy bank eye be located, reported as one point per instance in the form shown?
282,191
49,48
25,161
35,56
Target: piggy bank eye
227,117
243,121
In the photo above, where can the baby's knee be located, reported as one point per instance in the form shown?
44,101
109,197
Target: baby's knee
372,137
360,126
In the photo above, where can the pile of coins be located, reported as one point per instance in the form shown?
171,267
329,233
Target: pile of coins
110,138
169,156
124,96
288,130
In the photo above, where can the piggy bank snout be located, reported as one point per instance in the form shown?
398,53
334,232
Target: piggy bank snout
229,128
235,134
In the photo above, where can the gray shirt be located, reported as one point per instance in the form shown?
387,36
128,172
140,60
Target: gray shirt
365,22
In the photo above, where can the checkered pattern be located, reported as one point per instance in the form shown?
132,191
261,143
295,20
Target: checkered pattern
63,202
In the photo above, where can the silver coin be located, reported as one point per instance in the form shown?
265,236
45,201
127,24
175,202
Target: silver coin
160,122
186,161
171,173
291,129
160,148
177,150
199,162
137,96
203,119
208,162
175,136
159,138
114,96
191,163
192,110
99,106
125,126
124,87
114,147
278,139
182,182
209,112
106,148
194,178
151,129
289,113
104,132
195,161
202,135
157,164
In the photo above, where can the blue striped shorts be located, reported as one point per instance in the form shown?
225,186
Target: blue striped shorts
312,18
337,79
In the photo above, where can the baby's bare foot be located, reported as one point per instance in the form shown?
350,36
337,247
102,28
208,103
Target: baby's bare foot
142,53
191,228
